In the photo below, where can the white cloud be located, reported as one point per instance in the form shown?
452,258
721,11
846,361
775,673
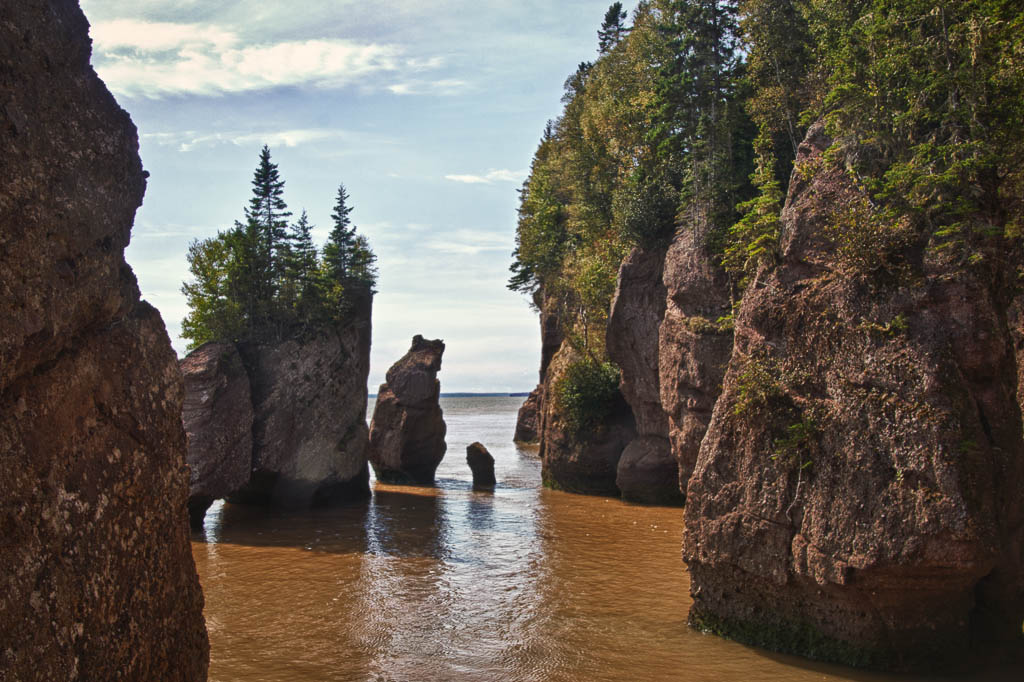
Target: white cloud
445,87
156,59
501,175
189,140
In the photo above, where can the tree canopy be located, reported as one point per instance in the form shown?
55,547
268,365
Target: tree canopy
690,119
264,279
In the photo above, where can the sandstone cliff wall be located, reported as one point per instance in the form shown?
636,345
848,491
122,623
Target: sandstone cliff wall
647,471
856,497
97,573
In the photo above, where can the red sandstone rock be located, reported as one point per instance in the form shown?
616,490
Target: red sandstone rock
528,419
407,432
218,422
98,581
694,346
857,495
647,471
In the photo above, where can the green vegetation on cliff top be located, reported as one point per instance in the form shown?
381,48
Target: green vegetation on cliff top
690,119
264,280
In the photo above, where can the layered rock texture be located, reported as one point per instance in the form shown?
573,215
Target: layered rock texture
97,571
407,432
481,463
647,471
281,424
857,495
218,422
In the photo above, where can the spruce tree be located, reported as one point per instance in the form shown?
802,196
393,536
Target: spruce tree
266,233
612,29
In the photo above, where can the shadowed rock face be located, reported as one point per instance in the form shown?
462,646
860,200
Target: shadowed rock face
857,495
97,572
407,432
309,419
218,422
528,421
648,471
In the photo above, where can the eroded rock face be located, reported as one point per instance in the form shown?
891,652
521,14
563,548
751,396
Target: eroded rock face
407,432
97,572
309,431
583,462
528,419
694,347
481,463
857,495
648,471
218,422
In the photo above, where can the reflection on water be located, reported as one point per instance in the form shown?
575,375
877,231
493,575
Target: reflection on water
448,583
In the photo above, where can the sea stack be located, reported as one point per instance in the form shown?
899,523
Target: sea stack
97,570
481,463
407,432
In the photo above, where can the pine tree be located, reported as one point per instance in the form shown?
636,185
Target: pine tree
266,228
754,239
612,29
699,112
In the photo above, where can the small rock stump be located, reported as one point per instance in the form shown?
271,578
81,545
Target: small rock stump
482,465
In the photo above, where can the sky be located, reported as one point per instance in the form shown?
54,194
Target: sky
429,113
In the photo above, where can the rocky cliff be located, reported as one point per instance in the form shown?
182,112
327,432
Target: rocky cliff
528,421
280,423
856,497
407,432
97,571
647,470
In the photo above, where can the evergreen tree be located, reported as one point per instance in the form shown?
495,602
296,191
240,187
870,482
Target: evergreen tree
753,240
613,28
341,240
300,289
349,271
266,229
699,110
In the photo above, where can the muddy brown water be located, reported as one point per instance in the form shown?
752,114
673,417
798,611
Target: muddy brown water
445,583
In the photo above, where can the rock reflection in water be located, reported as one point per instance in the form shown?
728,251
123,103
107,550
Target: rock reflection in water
447,583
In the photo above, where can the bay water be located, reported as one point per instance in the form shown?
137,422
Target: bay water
446,583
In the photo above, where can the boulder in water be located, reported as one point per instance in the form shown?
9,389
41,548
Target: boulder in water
481,462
